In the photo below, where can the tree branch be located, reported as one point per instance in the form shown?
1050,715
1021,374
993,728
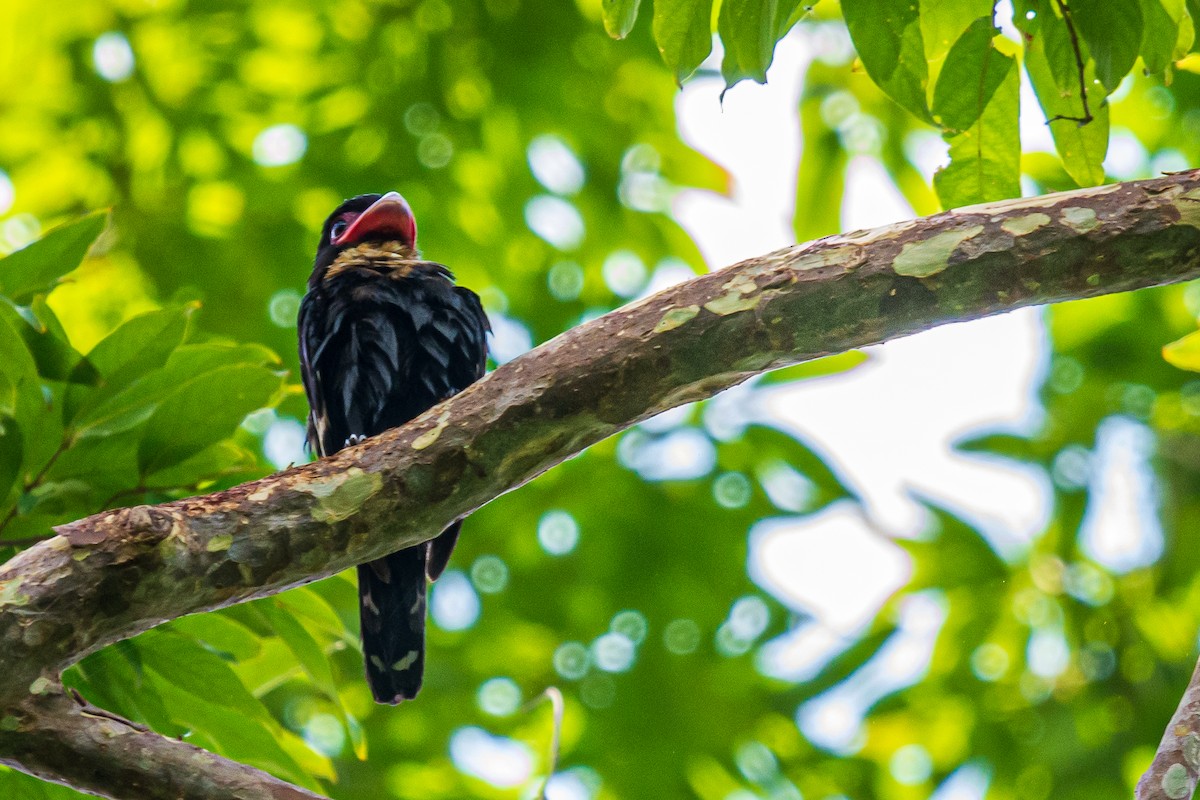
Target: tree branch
1176,766
56,738
115,574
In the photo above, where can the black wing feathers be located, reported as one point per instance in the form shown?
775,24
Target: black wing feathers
376,351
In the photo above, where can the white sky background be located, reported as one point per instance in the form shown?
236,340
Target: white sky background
888,426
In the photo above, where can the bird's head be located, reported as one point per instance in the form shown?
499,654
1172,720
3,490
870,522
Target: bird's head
364,221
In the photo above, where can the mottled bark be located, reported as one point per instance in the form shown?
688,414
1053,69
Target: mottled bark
115,574
55,737
1176,766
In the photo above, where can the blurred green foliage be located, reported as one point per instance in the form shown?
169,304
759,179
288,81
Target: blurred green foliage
540,157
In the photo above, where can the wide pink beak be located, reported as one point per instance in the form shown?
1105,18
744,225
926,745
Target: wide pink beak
389,218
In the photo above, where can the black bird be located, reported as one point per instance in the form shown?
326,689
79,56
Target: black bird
385,335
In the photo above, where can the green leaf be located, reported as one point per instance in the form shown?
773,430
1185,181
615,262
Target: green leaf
619,16
821,179
39,266
223,460
1050,64
281,614
887,36
771,447
56,498
202,412
103,416
23,396
845,663
113,679
252,740
1163,33
1007,445
311,604
955,555
47,342
817,368
17,366
749,30
974,70
19,786
310,655
1113,32
137,347
943,22
985,158
220,633
194,669
11,452
1184,353
683,32
142,343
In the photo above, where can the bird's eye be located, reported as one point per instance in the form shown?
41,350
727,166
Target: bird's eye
338,229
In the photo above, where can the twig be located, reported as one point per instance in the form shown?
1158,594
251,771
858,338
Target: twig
1083,97
33,484
555,697
99,713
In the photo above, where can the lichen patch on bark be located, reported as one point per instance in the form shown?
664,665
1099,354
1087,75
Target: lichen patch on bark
430,436
1019,226
674,317
342,495
926,257
1080,219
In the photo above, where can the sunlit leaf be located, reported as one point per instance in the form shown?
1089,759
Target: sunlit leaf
974,70
47,342
308,652
683,31
887,36
829,365
204,411
749,30
943,24
1050,64
985,156
198,671
1163,34
220,633
40,265
619,16
1184,353
821,180
1113,32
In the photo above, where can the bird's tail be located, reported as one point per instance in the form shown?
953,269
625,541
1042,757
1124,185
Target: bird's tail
391,610
391,602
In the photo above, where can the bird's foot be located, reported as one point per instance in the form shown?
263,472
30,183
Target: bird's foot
353,439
